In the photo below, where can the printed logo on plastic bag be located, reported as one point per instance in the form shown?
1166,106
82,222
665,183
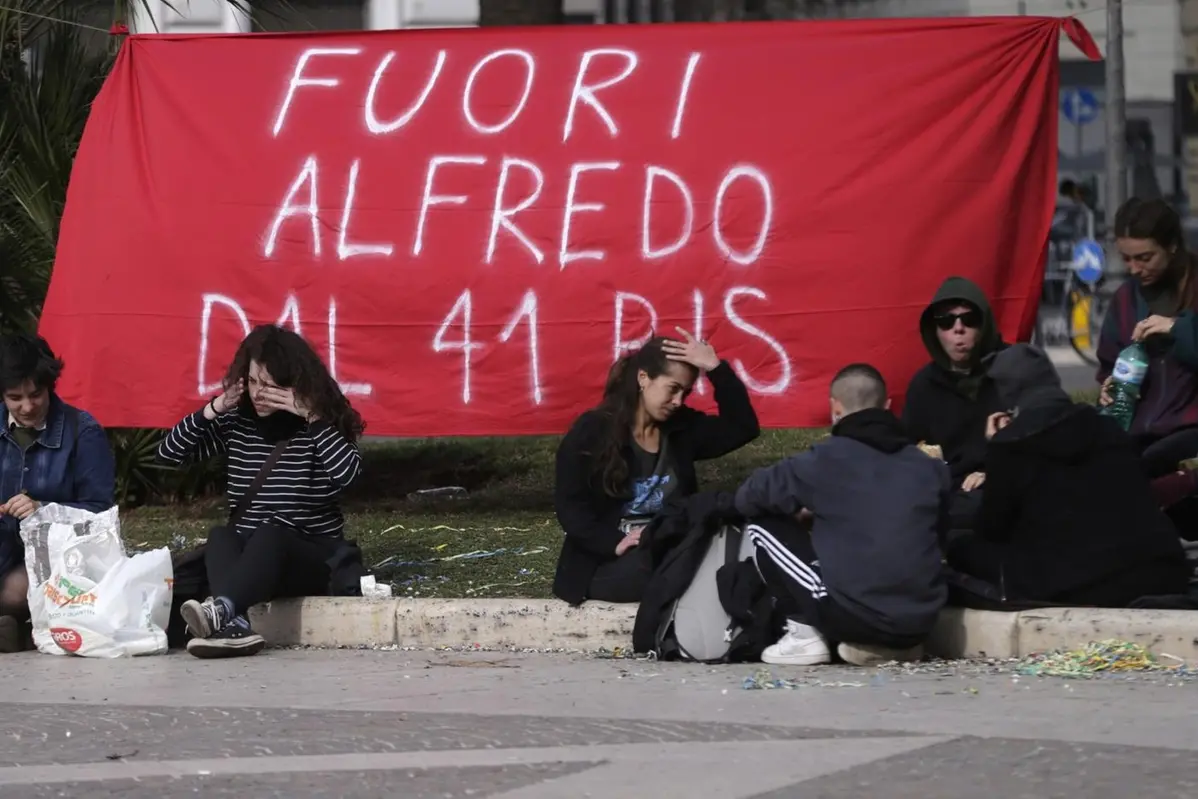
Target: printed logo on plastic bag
68,640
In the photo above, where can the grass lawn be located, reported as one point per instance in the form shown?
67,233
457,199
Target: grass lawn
500,539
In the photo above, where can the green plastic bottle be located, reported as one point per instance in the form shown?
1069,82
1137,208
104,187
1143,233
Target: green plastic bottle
1126,378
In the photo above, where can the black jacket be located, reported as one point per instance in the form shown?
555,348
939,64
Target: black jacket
948,408
1066,498
880,506
591,518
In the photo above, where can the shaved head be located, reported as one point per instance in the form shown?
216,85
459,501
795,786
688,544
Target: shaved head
859,386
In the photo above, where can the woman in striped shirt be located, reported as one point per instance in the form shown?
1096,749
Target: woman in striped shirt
278,395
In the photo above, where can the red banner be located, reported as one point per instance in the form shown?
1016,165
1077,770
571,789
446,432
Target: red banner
470,224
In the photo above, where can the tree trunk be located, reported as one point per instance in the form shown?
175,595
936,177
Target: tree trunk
519,12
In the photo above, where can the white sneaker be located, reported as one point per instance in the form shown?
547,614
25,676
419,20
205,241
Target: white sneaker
801,646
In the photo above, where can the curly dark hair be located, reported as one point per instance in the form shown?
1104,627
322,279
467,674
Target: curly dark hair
621,396
294,364
28,357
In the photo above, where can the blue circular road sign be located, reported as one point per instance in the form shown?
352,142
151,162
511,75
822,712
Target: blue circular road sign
1089,260
1080,106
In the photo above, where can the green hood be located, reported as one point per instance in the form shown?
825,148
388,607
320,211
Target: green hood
959,289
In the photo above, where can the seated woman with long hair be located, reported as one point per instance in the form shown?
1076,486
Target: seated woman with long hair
620,462
278,394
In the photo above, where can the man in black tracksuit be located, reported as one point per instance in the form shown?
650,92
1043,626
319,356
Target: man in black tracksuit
949,400
867,573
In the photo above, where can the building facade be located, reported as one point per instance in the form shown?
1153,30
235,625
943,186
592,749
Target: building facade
220,16
1154,48
1153,44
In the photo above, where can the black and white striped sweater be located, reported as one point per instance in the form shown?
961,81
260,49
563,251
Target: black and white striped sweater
303,487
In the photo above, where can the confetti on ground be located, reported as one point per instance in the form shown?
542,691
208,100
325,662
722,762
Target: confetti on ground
1102,659
763,680
422,578
481,588
621,653
475,555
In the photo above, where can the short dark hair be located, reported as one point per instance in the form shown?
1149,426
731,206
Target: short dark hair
859,386
25,357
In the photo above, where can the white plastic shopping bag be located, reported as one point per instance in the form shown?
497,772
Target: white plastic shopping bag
86,597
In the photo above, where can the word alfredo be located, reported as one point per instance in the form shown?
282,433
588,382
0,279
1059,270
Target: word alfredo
519,182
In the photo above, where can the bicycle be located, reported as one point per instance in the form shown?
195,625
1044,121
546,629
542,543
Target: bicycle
1085,307
1082,305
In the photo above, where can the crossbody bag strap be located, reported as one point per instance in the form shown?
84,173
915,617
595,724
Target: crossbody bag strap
259,480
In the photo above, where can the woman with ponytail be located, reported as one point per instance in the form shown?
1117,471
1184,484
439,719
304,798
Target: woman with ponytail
622,460
1158,307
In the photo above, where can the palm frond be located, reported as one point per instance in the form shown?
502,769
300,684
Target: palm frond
48,79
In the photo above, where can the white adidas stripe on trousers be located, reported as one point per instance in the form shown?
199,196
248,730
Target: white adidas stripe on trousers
787,561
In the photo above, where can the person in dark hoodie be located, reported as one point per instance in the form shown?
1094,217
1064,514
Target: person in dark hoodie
949,400
1068,515
622,461
867,575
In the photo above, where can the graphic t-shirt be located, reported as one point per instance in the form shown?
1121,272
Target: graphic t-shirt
652,483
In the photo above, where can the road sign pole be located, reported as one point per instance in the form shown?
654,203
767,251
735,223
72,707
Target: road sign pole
1116,127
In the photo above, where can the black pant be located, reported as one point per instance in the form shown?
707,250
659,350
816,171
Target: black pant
622,579
988,561
964,508
1161,455
270,563
788,564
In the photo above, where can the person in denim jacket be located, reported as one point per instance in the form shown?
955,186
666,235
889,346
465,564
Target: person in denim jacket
49,452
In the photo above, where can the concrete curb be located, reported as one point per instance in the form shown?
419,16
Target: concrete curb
1162,632
550,624
433,623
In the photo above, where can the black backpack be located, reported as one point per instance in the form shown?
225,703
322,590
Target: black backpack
725,615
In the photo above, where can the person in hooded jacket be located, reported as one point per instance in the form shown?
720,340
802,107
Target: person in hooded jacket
847,534
1068,515
949,400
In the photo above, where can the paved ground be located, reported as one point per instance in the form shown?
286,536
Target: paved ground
1076,374
448,724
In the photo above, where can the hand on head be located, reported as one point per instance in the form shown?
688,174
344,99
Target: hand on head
696,352
229,398
269,397
284,399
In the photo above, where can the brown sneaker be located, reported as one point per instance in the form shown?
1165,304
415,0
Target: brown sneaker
10,635
864,655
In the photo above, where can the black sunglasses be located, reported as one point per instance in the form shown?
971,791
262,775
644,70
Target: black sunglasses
946,321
